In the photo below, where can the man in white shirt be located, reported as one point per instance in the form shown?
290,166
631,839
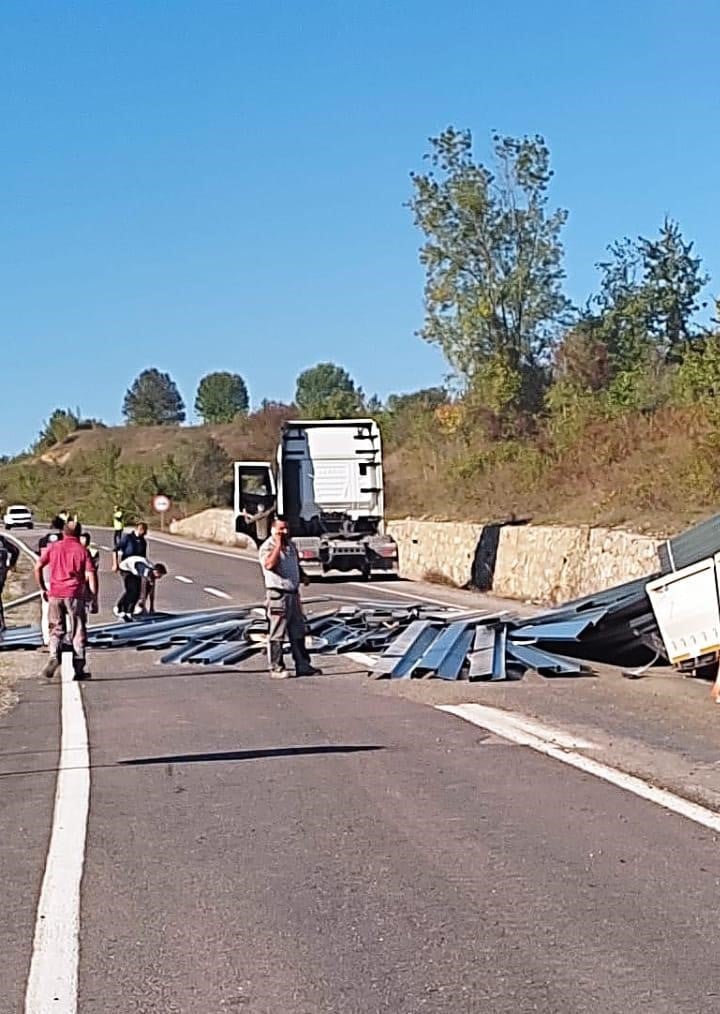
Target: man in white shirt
134,570
282,575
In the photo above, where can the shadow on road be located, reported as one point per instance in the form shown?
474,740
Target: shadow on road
204,758
239,755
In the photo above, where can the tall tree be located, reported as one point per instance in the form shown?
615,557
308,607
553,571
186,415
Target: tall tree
648,297
153,400
221,396
492,256
327,391
676,280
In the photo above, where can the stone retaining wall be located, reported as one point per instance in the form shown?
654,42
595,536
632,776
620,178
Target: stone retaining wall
217,524
539,563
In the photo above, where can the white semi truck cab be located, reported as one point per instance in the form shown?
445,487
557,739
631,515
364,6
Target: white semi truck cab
327,482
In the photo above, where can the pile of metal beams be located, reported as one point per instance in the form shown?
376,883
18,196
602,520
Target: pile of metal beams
396,639
403,640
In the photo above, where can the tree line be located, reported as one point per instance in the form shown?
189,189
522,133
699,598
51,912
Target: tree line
153,399
524,362
495,302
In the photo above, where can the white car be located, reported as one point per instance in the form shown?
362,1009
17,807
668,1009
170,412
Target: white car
18,516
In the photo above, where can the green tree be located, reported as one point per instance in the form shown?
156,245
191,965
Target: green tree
697,379
675,278
327,391
60,425
221,397
427,399
200,471
492,256
582,359
153,400
648,297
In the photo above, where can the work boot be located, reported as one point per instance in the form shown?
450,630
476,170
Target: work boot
51,667
81,672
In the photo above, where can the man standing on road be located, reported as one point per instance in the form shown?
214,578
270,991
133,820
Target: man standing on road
72,576
54,535
118,523
93,603
282,575
9,554
132,543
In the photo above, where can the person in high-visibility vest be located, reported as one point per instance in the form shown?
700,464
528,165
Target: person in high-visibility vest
118,523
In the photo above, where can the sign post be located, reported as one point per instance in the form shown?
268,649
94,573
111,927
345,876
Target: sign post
161,504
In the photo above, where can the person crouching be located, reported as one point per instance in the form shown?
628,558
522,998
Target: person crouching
135,570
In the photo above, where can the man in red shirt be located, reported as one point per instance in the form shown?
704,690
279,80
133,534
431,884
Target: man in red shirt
72,576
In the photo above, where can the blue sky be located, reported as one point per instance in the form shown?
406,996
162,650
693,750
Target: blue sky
219,185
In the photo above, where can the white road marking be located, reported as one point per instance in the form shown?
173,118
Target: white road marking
232,554
53,979
545,741
241,554
185,580
217,593
108,549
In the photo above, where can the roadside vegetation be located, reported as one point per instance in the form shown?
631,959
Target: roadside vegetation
605,413
18,665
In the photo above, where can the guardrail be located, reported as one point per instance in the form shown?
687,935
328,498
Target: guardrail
33,556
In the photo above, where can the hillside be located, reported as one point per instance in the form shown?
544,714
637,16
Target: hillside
650,472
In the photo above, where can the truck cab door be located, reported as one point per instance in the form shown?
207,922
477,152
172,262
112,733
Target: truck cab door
255,499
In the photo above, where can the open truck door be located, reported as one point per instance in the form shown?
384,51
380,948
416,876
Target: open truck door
255,499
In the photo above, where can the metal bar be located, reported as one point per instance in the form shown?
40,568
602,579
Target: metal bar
404,666
499,662
542,661
451,666
481,657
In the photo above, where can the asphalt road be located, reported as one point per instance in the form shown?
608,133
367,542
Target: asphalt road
315,846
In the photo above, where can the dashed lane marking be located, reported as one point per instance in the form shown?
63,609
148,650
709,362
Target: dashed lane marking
217,593
53,978
562,746
185,580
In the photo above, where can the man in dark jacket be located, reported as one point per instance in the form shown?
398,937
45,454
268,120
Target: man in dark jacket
9,554
133,543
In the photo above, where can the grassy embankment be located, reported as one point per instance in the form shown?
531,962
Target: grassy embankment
654,472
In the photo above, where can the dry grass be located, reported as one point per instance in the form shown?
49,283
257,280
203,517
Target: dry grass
437,577
253,437
17,665
652,473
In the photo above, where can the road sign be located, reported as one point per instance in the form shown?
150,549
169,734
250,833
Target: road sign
161,503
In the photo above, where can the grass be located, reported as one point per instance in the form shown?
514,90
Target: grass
650,472
17,665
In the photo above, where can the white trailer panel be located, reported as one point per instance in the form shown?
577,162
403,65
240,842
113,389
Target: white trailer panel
687,610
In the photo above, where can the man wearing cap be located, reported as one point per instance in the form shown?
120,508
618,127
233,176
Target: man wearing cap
282,575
